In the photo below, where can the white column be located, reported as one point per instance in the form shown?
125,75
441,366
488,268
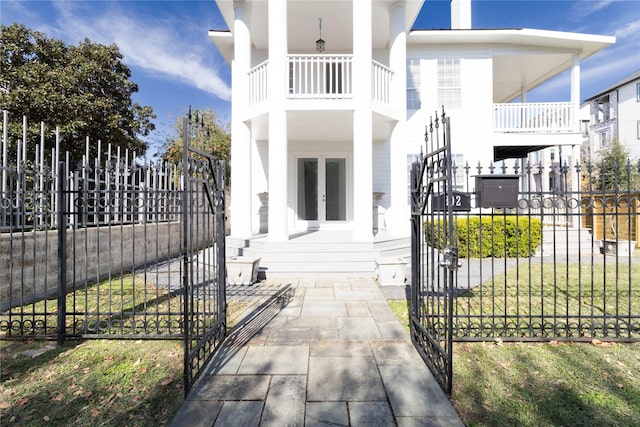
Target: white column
398,212
575,91
277,90
362,122
241,197
460,14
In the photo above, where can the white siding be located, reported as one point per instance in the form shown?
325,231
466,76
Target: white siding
472,124
628,116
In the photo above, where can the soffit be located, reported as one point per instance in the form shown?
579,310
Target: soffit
303,24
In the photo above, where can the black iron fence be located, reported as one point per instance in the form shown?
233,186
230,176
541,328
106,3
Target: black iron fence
541,263
520,252
98,248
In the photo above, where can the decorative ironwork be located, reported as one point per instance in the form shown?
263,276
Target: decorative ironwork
569,271
433,272
561,264
110,248
204,273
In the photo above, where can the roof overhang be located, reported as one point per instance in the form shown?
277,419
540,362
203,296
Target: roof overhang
302,26
522,58
223,39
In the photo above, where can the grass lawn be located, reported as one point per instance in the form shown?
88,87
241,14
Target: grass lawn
551,384
139,382
93,382
544,384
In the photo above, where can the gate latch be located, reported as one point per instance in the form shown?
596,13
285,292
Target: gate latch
450,258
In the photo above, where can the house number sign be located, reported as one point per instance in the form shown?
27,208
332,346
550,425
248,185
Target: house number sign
460,202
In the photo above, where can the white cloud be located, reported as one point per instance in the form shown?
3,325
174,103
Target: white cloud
584,8
158,47
630,29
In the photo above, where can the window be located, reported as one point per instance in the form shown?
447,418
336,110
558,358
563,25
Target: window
449,83
413,84
638,91
554,182
603,139
604,111
459,174
536,157
638,129
584,127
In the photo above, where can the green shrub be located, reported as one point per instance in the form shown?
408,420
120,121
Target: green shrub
479,237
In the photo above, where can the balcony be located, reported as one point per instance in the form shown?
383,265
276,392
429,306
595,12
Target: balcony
534,117
322,77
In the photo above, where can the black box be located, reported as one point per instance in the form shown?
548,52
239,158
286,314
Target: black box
497,191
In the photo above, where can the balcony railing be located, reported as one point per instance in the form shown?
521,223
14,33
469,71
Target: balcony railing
381,79
320,77
538,117
258,84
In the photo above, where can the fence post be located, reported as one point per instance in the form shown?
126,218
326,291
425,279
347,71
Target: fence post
186,324
62,254
220,206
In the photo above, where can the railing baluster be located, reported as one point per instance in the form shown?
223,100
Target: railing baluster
534,117
320,77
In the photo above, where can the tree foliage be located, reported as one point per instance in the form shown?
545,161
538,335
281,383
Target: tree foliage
616,170
215,134
85,90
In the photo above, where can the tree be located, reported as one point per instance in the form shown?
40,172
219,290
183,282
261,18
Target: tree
616,171
85,90
216,134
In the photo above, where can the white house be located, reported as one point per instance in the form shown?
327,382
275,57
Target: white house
329,104
615,115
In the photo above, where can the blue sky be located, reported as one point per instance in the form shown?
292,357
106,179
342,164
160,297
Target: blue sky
175,65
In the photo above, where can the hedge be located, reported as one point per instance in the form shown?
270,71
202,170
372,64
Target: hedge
480,237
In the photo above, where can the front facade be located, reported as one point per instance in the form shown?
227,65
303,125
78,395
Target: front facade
323,140
615,115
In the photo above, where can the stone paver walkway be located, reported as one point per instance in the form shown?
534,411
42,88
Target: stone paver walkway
324,352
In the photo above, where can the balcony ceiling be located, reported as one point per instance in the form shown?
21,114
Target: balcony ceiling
303,30
320,125
522,58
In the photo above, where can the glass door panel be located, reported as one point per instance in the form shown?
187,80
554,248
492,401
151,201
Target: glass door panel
308,189
335,190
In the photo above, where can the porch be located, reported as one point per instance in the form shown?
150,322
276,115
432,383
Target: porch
535,117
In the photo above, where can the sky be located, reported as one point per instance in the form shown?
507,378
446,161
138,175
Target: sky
175,65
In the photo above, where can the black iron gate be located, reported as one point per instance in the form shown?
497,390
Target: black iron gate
433,271
203,272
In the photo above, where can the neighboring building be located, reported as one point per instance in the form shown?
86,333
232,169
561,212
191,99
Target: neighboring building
547,164
615,115
327,118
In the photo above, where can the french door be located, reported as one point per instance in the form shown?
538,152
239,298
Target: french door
322,190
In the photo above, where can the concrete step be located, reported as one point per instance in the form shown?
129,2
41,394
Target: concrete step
318,255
